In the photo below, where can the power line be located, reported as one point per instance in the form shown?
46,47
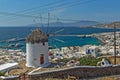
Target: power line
34,16
54,6
75,4
64,5
18,15
45,5
89,1
29,10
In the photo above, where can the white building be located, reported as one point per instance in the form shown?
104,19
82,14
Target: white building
37,49
93,51
104,62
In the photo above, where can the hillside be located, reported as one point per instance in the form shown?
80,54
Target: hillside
110,25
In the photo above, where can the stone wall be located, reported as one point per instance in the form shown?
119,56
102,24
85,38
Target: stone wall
78,72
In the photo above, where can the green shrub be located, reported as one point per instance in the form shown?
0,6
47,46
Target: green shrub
84,61
1,73
89,61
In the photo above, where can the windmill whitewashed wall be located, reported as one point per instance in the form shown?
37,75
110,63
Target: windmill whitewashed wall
37,49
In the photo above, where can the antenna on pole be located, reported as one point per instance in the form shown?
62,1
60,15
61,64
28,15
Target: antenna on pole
41,23
57,21
114,44
41,20
48,22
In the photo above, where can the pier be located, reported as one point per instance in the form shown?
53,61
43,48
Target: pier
82,36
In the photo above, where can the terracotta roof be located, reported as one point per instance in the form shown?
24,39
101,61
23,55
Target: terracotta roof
37,36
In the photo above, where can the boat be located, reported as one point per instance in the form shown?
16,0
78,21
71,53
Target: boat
19,45
11,45
11,40
21,39
15,40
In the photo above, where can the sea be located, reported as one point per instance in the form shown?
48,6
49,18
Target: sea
10,36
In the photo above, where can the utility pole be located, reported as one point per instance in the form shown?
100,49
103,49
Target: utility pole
114,44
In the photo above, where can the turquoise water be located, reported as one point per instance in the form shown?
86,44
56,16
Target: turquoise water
7,33
73,41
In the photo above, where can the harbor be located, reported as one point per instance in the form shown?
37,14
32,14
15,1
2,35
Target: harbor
82,36
59,40
72,55
76,51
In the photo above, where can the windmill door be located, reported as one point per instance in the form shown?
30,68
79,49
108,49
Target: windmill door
41,58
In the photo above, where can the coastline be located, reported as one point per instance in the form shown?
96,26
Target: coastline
78,37
69,52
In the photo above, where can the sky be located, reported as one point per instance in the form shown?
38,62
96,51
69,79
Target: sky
25,12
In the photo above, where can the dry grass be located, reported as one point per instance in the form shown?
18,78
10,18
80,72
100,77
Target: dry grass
55,79
22,68
109,78
111,59
49,69
60,79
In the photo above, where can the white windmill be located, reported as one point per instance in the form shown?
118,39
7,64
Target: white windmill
37,48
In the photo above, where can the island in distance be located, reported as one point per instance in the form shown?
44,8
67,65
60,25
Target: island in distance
82,23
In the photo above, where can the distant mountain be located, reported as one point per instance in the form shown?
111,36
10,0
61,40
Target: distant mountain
76,24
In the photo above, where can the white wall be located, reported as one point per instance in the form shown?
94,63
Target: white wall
33,54
92,51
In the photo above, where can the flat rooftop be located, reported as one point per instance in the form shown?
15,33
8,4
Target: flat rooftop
7,66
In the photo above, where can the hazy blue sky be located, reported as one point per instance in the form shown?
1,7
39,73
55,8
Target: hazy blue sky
23,12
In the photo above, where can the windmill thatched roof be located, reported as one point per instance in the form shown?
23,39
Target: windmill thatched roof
37,36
